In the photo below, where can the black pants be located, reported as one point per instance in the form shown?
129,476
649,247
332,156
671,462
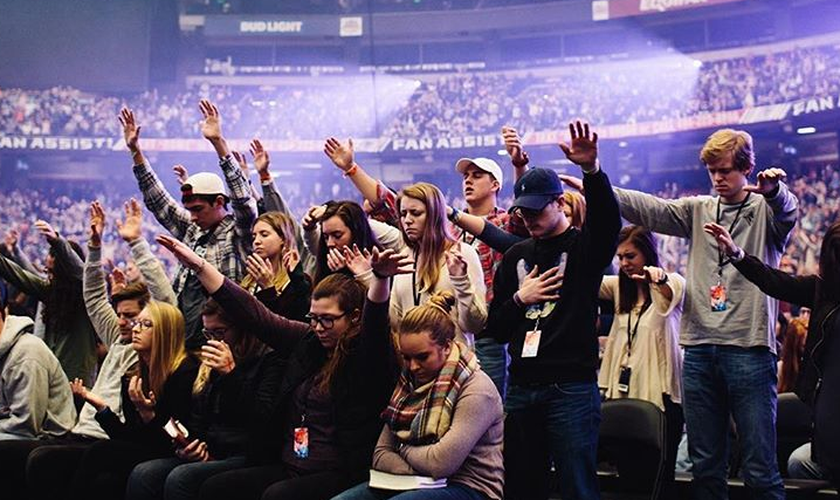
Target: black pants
272,482
674,425
104,468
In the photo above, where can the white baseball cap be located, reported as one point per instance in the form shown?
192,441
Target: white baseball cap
486,164
203,183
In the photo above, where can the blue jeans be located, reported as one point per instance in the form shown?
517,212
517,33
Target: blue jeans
174,479
454,491
719,380
494,360
559,423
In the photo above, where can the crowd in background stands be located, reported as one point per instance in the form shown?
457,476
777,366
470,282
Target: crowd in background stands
451,105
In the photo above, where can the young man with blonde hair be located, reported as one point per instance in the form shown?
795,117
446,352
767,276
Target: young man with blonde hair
728,323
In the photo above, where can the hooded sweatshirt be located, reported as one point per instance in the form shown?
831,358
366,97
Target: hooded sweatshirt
35,397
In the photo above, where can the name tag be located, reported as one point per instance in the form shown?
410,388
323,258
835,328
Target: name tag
532,344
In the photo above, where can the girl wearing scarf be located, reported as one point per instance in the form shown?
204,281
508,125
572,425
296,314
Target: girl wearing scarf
444,418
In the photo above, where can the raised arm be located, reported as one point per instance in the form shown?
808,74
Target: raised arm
784,206
25,281
243,204
131,231
243,308
518,157
467,277
62,250
343,156
102,316
167,211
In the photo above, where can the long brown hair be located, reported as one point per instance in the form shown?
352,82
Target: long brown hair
436,239
792,350
352,215
283,225
350,296
645,242
828,286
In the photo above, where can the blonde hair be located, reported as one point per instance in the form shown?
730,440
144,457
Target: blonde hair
433,316
283,225
725,141
436,239
577,203
167,346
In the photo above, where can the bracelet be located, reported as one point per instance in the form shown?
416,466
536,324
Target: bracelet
352,170
518,300
454,216
380,276
662,281
265,176
199,268
738,256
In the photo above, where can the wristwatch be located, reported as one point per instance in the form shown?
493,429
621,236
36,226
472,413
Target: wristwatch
663,280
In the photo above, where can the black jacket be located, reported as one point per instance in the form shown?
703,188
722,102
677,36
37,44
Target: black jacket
568,349
363,386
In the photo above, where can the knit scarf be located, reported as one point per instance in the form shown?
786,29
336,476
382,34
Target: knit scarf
422,415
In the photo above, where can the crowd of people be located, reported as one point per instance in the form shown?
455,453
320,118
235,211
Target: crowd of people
445,105
407,346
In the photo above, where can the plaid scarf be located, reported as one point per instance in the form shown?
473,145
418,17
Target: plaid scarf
422,415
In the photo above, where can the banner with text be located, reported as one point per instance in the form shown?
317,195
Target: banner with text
603,10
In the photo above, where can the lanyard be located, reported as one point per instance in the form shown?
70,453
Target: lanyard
632,336
414,293
721,262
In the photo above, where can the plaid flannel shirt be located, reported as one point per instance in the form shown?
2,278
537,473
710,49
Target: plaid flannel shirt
227,245
385,210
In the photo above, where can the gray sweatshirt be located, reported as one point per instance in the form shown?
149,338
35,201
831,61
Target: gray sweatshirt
120,356
762,229
35,397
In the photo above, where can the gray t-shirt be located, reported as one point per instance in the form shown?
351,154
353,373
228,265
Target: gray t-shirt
762,229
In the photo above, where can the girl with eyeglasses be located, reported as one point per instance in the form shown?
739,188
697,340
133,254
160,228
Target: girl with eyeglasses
236,373
158,387
340,370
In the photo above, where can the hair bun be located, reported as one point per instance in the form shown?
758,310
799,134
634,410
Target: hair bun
443,300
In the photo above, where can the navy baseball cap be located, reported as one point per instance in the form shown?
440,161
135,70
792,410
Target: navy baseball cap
536,189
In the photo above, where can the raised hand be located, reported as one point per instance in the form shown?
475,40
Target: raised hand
260,270
182,252
97,224
211,126
313,217
242,160
650,274
118,280
217,355
340,154
194,452
357,261
46,230
261,158
335,259
583,149
536,287
131,131
455,263
768,181
723,238
572,182
181,173
132,228
388,263
291,259
513,144
145,404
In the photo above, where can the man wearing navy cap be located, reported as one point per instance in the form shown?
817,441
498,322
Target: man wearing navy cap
544,307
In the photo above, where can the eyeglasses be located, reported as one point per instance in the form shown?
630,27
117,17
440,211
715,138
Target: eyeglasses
144,324
214,333
326,321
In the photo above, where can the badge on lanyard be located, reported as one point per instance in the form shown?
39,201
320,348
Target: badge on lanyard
532,343
717,296
301,442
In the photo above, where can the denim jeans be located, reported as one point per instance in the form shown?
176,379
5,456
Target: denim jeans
494,360
802,466
719,381
174,479
552,423
453,491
